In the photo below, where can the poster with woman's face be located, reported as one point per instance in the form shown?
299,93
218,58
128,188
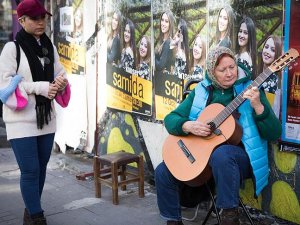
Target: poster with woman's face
68,35
253,35
129,72
221,24
179,50
244,28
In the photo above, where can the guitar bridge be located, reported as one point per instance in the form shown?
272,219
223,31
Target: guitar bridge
217,132
214,128
186,151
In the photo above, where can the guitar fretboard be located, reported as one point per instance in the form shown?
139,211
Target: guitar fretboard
232,106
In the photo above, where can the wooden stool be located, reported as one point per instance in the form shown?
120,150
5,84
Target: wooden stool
107,169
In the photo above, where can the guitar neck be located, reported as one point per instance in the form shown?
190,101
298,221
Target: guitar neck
232,106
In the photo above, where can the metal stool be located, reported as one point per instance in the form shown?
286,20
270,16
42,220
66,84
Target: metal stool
217,212
108,168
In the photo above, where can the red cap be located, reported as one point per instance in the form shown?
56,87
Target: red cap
31,8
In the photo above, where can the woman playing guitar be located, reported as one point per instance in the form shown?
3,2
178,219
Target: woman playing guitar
230,162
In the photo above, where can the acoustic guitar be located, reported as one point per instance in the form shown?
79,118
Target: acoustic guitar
187,156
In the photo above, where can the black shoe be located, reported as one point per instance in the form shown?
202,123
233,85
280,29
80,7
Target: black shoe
172,222
230,217
26,217
37,219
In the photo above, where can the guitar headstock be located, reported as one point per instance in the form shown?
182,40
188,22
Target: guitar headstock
284,60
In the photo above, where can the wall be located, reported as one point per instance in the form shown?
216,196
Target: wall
281,196
123,131
135,133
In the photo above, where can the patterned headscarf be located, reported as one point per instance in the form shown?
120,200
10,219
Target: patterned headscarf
212,59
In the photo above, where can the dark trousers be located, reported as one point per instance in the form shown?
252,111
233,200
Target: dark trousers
32,155
230,165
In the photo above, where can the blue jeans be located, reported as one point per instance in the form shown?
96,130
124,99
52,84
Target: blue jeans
32,155
230,165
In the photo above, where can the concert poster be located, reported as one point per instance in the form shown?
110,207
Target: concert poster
179,50
71,56
127,91
291,81
68,35
168,94
128,63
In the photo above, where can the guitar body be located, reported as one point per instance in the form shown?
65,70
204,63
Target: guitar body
196,172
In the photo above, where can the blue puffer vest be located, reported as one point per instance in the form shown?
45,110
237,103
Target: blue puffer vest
256,147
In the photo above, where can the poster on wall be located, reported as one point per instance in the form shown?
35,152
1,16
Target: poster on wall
253,35
168,93
68,35
291,80
129,73
128,92
66,19
179,51
71,56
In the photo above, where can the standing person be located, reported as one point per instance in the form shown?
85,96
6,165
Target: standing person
180,46
144,57
128,59
224,29
31,127
163,53
230,164
246,44
198,58
113,39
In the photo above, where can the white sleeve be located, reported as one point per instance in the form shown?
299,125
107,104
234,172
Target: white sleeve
38,87
8,63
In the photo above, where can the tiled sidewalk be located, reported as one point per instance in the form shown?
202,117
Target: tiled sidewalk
68,201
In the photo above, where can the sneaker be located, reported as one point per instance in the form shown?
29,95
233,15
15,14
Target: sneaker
213,213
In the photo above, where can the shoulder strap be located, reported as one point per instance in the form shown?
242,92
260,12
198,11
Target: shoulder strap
18,54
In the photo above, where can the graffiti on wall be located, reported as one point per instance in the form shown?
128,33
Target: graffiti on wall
280,197
120,132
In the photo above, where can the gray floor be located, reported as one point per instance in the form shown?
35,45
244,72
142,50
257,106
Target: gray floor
68,201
